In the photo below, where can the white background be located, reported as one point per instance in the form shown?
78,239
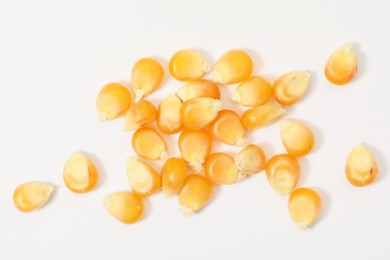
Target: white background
54,58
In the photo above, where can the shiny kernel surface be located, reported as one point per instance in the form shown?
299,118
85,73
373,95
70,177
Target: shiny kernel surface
139,115
361,168
297,138
199,88
113,101
31,196
304,207
228,128
342,65
173,176
188,65
143,179
291,87
168,115
261,116
197,113
251,159
255,91
148,144
124,206
233,67
220,169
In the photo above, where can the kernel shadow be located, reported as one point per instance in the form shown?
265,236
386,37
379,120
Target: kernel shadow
305,168
326,203
381,162
148,209
362,61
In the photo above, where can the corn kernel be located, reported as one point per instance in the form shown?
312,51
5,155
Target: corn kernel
188,65
143,179
173,176
124,206
304,207
199,88
290,87
221,169
168,115
250,160
260,116
80,174
113,101
195,194
283,173
146,77
228,128
197,113
233,67
139,115
361,168
195,147
31,196
297,138
148,144
255,91
341,66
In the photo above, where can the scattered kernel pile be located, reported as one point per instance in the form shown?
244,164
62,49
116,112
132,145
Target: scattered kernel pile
195,111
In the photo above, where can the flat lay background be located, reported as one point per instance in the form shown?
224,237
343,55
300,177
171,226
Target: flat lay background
56,55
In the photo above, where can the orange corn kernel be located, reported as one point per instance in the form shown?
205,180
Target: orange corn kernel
255,91
341,66
199,88
260,116
143,179
291,87
173,176
361,168
168,115
233,67
31,196
148,144
221,169
139,115
188,65
250,160
113,101
124,206
304,207
297,138
197,113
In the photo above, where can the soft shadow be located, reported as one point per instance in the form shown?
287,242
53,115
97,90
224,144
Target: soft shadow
326,203
257,61
313,81
148,209
305,167
362,60
381,162
54,194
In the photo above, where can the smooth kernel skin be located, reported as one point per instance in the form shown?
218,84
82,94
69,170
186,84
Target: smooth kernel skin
228,128
113,101
304,207
31,196
197,113
220,169
261,116
80,173
195,194
342,65
361,168
233,67
255,91
297,138
173,176
187,65
146,76
124,206
143,179
139,115
168,115
250,160
195,147
148,144
289,88
283,173
199,88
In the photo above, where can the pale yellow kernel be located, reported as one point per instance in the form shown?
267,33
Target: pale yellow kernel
197,113
113,101
143,179
304,207
188,65
291,87
361,168
139,115
297,138
199,88
233,67
31,196
148,144
255,91
168,115
195,194
342,65
260,116
124,206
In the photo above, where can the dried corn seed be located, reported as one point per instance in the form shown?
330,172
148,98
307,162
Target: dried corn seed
148,144
199,88
188,65
304,207
297,138
197,113
221,169
143,179
290,87
139,115
80,174
146,77
361,168
173,176
341,66
255,91
31,196
124,206
283,173
250,160
168,115
195,194
113,101
260,116
233,67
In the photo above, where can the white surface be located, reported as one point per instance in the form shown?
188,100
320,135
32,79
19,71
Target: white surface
54,57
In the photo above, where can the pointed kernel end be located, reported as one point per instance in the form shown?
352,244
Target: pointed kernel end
106,201
206,67
163,156
236,96
217,77
303,226
139,94
103,116
241,175
167,194
50,187
186,211
197,166
217,105
242,141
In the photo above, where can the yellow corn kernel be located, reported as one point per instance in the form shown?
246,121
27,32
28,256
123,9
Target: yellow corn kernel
255,91
148,144
228,128
195,147
283,173
197,113
297,138
31,196
146,77
290,87
188,65
80,174
195,194
304,207
143,179
199,88
113,101
341,66
361,168
233,67
168,115
173,176
139,115
124,206
221,169
250,160
260,116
